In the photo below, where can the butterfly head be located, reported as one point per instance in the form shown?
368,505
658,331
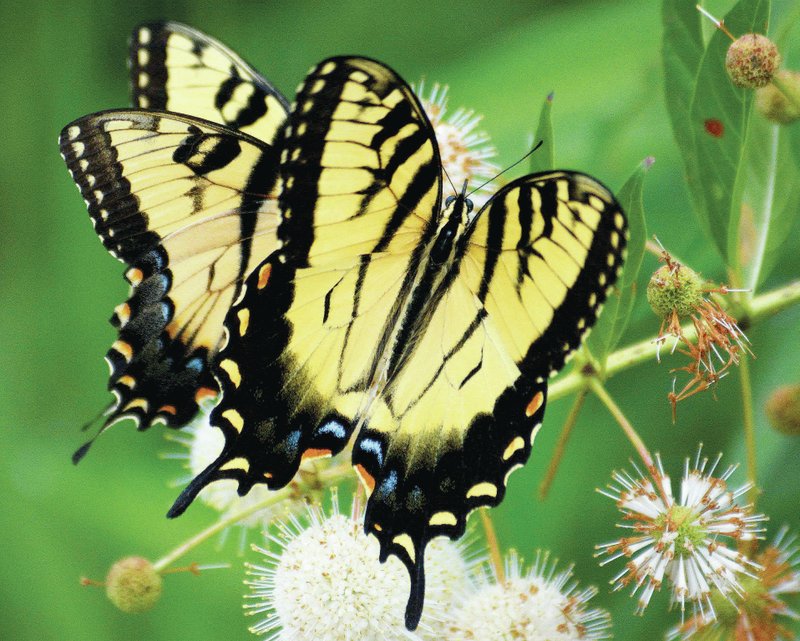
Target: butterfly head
459,206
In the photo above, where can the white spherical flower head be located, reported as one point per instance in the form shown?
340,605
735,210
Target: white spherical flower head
540,605
465,152
323,582
685,541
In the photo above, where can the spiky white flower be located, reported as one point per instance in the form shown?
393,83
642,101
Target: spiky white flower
322,581
760,612
540,605
682,541
465,152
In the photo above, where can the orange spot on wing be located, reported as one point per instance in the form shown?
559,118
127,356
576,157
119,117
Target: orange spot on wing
312,453
204,393
134,275
167,409
263,275
366,478
535,404
172,329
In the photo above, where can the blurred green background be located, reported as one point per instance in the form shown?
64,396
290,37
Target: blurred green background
58,286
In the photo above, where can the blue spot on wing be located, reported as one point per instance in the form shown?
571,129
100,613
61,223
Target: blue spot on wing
373,447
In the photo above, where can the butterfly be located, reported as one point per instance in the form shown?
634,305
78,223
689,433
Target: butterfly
185,203
310,259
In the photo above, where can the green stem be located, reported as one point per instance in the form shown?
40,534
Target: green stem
323,477
759,309
766,213
561,445
749,427
636,440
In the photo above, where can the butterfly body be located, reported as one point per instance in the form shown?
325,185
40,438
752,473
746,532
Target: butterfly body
308,259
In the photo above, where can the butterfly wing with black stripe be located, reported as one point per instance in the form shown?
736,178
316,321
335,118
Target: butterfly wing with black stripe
461,412
353,324
176,68
187,204
360,183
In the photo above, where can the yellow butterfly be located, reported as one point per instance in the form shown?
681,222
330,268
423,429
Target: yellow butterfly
359,302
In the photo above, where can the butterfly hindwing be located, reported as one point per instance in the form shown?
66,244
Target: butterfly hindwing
179,69
186,203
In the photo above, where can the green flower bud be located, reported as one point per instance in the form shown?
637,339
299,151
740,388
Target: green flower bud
676,288
783,409
133,584
752,61
773,104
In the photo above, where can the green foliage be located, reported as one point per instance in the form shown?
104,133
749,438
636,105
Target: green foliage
58,284
739,167
618,308
543,159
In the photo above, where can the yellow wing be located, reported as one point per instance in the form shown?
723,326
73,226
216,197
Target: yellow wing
430,332
461,412
176,68
360,185
186,203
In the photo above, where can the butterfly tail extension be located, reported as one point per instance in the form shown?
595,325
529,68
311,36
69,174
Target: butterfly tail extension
270,415
422,489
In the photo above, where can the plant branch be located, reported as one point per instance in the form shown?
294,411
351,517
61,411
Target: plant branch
749,427
561,445
325,476
638,444
759,309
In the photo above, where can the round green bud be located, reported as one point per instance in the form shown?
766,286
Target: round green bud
674,288
752,60
773,104
783,409
133,584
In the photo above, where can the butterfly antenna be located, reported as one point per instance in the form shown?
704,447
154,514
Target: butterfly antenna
538,144
455,191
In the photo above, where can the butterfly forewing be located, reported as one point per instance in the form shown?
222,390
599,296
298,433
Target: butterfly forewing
186,204
176,68
360,186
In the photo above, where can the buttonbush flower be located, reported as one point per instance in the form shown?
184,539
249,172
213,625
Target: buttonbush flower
465,152
542,604
760,613
321,579
683,541
675,293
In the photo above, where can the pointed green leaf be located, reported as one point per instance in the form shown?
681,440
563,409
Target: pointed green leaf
611,326
771,200
681,53
543,159
720,113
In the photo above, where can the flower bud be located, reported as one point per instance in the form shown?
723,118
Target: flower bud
772,102
674,287
133,584
783,409
752,60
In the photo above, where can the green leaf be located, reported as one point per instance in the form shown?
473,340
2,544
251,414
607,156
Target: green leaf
681,54
719,117
617,311
543,159
771,200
